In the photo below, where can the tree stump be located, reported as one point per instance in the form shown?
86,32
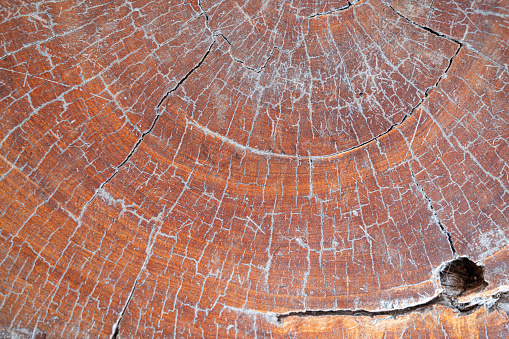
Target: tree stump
254,169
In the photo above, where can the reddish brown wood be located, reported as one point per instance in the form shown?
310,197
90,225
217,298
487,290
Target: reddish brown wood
253,168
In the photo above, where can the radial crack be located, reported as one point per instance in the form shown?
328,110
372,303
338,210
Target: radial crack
423,27
116,326
144,134
214,33
419,187
445,36
435,214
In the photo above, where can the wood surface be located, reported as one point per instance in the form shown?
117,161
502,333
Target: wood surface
270,169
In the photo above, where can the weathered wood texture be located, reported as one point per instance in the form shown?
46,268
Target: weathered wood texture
200,169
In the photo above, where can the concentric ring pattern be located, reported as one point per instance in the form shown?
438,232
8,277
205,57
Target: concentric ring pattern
197,168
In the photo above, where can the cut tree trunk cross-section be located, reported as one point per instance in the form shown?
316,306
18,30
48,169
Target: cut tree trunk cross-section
269,169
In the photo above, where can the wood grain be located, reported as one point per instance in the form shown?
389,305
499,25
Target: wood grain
254,169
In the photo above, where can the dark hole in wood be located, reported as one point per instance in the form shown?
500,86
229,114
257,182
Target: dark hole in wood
461,276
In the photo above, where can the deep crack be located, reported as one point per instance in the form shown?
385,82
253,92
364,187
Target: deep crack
144,134
491,303
472,279
435,214
361,312
423,27
333,11
116,326
470,47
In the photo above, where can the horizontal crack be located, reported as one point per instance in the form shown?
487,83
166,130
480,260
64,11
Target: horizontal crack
344,8
490,303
